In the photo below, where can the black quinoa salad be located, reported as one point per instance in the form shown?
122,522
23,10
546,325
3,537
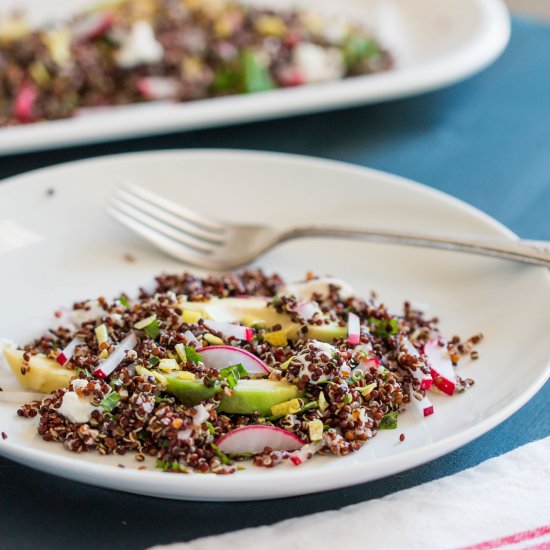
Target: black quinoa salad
132,51
204,373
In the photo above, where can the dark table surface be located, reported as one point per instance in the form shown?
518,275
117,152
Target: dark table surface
486,141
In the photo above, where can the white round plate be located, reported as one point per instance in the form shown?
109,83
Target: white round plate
78,252
435,43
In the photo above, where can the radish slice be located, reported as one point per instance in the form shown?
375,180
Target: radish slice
305,453
107,366
425,380
291,77
307,310
191,338
354,329
68,352
228,330
368,364
157,87
254,439
442,369
24,103
424,406
220,357
93,26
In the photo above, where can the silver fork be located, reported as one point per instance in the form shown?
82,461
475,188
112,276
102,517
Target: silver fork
204,242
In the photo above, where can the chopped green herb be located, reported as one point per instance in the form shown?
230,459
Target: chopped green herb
85,371
307,407
222,456
192,355
226,80
124,301
211,428
161,465
153,360
159,400
110,401
347,399
256,77
115,383
240,455
357,49
384,329
152,329
389,421
233,374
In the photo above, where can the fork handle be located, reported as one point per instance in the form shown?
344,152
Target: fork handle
520,251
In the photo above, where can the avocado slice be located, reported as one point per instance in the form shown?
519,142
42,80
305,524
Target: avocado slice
44,375
252,310
248,395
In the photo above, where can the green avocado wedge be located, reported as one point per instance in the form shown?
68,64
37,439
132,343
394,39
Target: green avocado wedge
255,311
249,396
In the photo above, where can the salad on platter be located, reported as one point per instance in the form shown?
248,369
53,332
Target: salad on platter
210,374
133,51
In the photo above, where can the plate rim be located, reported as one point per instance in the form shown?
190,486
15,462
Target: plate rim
203,487
467,61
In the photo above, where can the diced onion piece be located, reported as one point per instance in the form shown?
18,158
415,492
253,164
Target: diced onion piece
168,365
354,329
140,325
229,330
191,338
102,334
68,352
180,350
107,366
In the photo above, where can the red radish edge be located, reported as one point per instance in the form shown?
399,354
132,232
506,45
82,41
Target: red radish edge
157,87
424,405
441,367
354,329
292,441
425,379
251,356
114,360
94,26
228,329
68,352
24,102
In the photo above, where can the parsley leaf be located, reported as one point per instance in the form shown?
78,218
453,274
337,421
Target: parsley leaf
384,329
233,374
110,401
389,421
153,361
192,355
222,456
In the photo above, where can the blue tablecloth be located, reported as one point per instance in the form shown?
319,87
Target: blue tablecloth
486,141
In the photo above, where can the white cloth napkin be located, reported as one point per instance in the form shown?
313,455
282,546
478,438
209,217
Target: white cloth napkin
502,503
